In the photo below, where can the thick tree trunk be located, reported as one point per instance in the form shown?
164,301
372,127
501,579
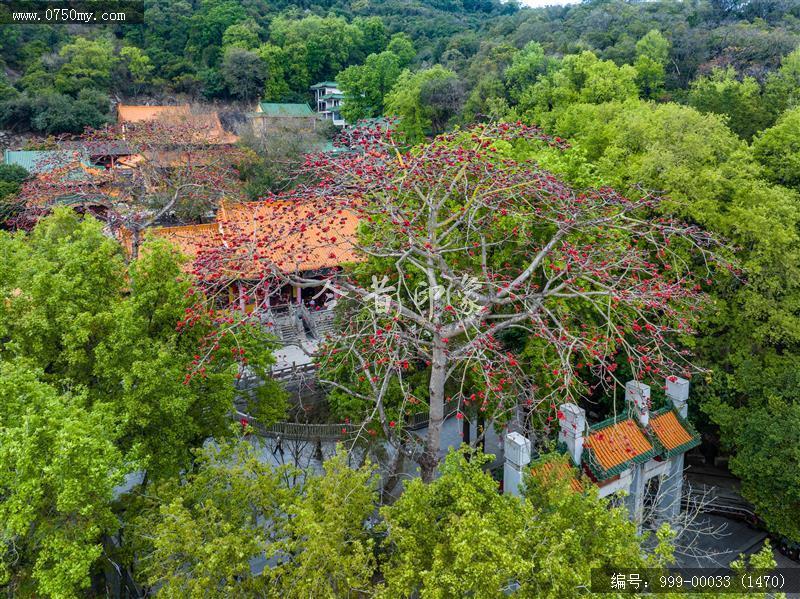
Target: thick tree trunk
136,239
430,457
482,431
395,470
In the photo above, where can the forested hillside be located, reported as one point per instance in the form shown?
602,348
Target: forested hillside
60,79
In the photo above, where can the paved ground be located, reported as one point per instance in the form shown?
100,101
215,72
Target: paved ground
292,355
727,538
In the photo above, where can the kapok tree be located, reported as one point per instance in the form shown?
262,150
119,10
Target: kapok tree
458,246
162,172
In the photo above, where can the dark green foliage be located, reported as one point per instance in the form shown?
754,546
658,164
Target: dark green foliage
766,441
740,100
365,86
183,46
52,112
750,336
11,178
12,173
244,73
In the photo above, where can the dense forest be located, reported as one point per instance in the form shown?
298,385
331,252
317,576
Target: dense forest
60,79
696,102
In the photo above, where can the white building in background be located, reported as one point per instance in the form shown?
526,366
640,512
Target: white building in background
328,100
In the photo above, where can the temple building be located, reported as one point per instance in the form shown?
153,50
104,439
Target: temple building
272,116
75,164
640,451
204,126
253,248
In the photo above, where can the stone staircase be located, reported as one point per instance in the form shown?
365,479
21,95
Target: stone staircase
297,324
323,323
286,330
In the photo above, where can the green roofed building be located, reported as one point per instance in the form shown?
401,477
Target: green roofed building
283,110
38,162
272,116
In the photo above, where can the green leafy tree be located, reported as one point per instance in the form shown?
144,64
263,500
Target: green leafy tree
374,36
330,43
458,536
97,382
138,65
244,73
766,439
307,531
485,78
652,53
525,68
58,468
7,91
405,100
88,321
442,98
722,92
87,63
403,47
54,113
11,179
331,548
580,78
782,87
242,35
208,26
750,340
778,150
365,86
277,66
199,537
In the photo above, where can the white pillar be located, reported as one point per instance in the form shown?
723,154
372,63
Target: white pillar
638,394
635,499
677,390
671,486
517,457
573,427
670,490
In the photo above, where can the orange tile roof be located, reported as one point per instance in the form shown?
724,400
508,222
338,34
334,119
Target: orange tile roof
139,114
557,471
615,444
299,236
292,236
669,430
191,239
207,124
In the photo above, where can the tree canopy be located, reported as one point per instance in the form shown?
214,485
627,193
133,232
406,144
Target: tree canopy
97,384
